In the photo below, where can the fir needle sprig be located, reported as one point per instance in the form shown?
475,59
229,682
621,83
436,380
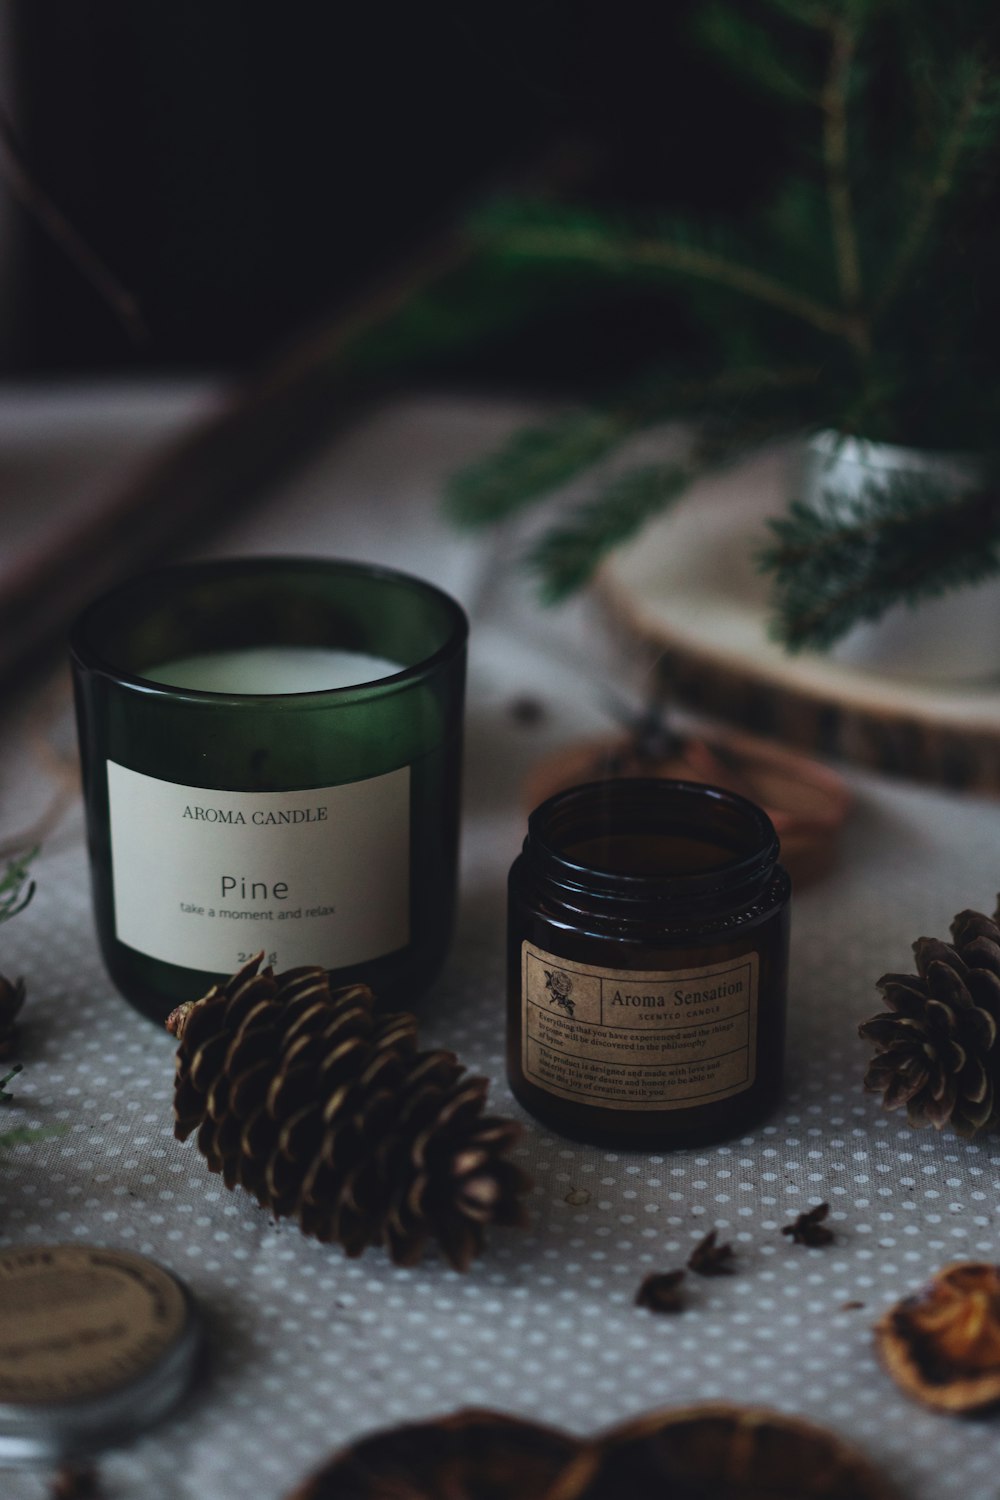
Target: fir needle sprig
16,885
875,268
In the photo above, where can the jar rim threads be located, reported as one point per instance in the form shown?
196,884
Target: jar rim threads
650,808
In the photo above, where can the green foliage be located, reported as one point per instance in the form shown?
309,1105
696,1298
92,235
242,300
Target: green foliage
875,268
743,408
530,464
16,886
466,305
903,539
567,555
660,247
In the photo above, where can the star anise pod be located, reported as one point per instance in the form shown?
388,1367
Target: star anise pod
711,1259
661,1292
809,1228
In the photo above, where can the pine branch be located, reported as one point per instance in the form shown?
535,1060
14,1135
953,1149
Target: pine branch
466,305
937,187
749,47
908,539
541,459
530,234
530,464
836,156
16,888
566,556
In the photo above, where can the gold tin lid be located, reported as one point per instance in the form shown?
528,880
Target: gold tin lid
95,1346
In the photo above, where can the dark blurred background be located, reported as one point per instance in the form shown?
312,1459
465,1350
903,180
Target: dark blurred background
244,166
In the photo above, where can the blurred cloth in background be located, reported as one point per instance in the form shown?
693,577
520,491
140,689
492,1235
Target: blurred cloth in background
243,167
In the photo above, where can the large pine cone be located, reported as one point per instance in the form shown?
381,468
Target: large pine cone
328,1113
936,1043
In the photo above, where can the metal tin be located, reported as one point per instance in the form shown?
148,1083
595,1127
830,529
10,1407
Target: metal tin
96,1346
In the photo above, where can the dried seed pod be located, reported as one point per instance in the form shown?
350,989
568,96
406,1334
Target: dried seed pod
661,1292
942,1346
809,1228
709,1258
470,1455
725,1452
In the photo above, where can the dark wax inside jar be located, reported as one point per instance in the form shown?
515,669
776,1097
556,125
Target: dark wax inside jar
674,853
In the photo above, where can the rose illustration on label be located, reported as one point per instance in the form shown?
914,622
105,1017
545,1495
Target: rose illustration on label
560,986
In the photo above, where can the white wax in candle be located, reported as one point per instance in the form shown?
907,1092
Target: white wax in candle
272,669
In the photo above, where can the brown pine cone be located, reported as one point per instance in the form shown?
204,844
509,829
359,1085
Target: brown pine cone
936,1043
327,1113
11,1000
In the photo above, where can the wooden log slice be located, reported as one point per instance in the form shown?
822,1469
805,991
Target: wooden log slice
688,592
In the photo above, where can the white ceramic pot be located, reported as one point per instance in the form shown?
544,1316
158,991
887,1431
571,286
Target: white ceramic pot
953,638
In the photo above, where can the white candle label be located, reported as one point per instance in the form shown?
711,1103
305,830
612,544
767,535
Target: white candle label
206,878
627,1039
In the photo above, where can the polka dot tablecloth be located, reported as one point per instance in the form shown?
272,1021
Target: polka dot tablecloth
309,1350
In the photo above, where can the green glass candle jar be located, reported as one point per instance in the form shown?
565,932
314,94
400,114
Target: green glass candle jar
271,754
647,964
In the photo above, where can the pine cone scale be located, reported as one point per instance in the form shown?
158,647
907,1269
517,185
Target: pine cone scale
887,1028
339,1066
984,987
901,1089
901,1000
928,951
984,953
196,1023
975,1083
948,987
249,1048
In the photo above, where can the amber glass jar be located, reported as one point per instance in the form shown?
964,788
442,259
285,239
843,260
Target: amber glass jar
647,964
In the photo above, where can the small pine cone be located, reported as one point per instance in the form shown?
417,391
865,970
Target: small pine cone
936,1043
11,1000
327,1113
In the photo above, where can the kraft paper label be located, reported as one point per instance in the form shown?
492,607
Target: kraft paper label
206,878
627,1039
77,1322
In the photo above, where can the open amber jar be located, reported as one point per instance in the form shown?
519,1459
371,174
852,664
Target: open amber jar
647,964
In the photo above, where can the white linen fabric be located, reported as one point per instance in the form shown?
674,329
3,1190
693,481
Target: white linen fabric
310,1350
